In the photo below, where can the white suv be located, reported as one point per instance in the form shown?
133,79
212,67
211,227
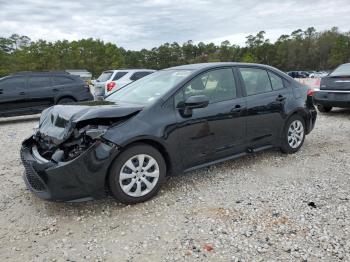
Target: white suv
112,80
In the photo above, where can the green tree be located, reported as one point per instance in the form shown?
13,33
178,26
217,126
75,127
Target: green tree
301,50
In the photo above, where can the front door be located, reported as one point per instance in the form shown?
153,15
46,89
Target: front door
217,130
12,94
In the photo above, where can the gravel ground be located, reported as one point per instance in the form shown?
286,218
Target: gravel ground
266,206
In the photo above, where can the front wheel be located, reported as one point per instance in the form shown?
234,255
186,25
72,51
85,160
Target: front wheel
294,135
137,174
324,109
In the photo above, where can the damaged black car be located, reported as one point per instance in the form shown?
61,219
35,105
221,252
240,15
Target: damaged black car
172,121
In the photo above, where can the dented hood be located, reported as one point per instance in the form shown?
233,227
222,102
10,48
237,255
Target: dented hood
58,122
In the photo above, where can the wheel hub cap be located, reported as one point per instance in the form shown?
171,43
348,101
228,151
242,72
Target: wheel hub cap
295,134
139,175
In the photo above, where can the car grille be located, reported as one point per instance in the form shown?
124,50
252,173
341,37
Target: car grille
32,176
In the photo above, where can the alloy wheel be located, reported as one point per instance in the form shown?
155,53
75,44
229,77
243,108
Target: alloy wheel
139,175
295,134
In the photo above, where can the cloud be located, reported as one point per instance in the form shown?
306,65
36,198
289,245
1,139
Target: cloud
147,23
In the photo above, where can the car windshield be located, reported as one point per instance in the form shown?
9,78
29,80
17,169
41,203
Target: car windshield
343,70
149,88
104,76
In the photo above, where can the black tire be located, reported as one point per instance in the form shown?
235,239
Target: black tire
324,109
65,100
285,145
118,164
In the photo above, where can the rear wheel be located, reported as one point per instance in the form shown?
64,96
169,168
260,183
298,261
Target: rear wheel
65,100
324,109
137,174
294,135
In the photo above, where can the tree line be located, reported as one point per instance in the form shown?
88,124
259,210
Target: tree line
301,50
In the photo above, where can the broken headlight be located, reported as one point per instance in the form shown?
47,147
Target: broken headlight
92,131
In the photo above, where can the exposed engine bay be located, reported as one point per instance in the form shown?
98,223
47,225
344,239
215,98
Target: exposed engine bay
79,141
66,132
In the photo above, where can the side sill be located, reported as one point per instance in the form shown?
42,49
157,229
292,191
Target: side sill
250,151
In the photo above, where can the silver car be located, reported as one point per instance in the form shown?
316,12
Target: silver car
111,80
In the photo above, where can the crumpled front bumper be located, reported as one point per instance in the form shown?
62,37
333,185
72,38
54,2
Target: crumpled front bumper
82,178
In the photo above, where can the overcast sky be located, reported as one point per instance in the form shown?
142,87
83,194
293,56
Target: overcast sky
148,23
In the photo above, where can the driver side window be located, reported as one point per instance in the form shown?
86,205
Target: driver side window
218,85
9,85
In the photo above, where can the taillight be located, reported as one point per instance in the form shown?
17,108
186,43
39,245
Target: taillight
110,86
310,92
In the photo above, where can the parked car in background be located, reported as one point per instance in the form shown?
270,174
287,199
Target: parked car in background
318,74
31,92
298,74
334,90
111,80
310,73
82,73
172,121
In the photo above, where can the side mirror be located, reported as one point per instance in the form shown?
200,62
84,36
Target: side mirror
198,101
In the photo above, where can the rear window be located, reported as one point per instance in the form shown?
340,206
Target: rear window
119,75
61,80
343,70
105,76
256,81
276,81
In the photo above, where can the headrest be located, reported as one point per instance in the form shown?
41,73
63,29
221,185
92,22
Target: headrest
197,84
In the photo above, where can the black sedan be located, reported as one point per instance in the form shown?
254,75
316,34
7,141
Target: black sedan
334,90
172,121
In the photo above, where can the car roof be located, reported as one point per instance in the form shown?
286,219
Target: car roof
203,66
24,73
130,70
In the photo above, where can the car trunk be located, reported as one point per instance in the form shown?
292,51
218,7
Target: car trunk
339,83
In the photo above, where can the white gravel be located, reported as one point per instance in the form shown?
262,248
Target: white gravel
264,207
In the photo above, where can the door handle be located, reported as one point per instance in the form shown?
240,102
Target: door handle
55,90
236,109
22,93
280,98
1,90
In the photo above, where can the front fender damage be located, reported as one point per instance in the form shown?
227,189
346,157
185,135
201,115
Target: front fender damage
62,136
79,179
67,158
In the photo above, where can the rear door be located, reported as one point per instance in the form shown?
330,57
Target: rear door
267,96
40,91
69,86
66,85
13,94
